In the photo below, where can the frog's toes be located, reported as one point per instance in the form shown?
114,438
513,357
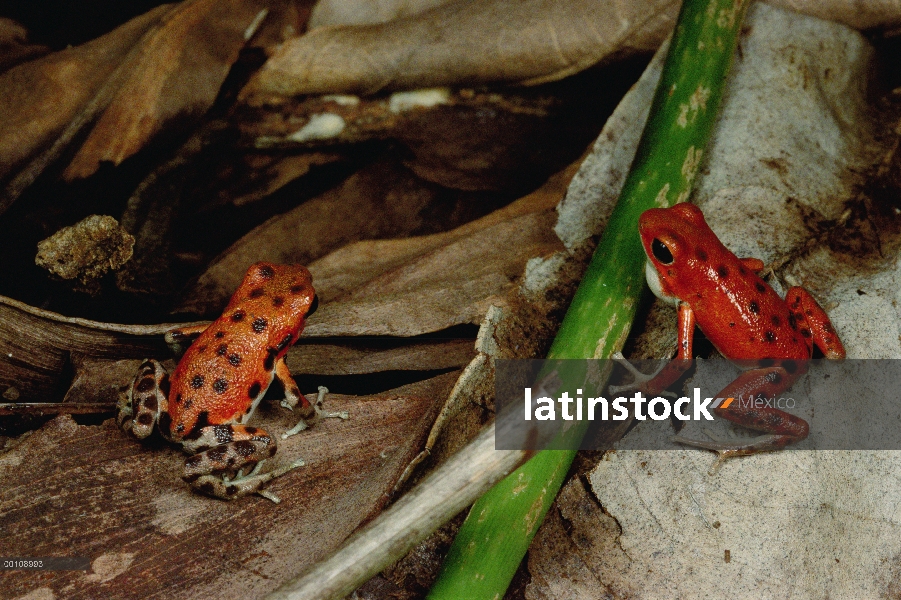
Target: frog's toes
229,488
318,414
301,426
639,379
727,448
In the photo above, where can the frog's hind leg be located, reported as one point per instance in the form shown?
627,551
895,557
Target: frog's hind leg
811,320
228,460
146,401
780,428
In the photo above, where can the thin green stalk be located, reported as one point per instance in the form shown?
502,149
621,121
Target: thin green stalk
500,526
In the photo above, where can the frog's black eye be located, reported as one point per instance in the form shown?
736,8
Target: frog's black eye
661,252
314,305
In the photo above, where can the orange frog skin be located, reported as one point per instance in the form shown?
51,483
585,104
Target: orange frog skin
221,379
771,339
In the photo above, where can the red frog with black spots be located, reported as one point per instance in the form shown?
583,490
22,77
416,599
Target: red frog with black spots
220,380
771,339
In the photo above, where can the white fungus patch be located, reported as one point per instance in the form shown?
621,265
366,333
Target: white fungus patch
403,101
321,126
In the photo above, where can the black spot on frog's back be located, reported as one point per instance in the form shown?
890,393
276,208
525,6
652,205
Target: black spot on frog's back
259,325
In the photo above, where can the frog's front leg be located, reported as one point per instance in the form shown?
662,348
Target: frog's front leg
228,460
309,413
780,427
146,404
655,383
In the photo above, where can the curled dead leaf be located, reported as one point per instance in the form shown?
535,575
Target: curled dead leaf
174,72
47,100
462,43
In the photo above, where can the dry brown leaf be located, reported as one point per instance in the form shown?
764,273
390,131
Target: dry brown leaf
72,490
362,356
42,97
560,553
410,286
381,200
14,45
175,73
40,350
342,12
259,175
463,43
873,14
881,14
463,139
435,287
348,269
469,43
37,348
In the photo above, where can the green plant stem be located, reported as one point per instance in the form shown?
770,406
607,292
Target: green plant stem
495,536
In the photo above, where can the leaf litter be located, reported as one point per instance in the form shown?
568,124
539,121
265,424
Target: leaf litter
387,302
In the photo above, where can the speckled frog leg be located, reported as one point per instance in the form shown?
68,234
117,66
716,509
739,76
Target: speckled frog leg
780,428
224,453
146,402
309,413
